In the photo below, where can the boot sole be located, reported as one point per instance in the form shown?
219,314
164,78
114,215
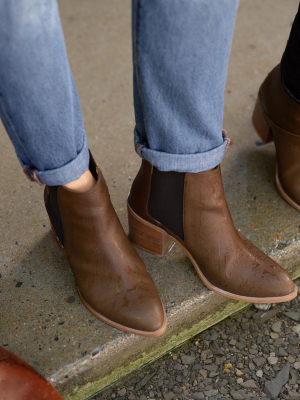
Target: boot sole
113,324
264,131
156,240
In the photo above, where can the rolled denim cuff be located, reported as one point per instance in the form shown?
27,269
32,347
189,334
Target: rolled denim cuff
64,174
197,162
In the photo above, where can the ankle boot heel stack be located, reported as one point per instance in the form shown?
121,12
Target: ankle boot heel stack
260,123
147,237
190,209
112,280
277,117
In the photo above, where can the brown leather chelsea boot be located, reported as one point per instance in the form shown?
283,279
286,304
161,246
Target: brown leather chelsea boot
277,117
112,280
190,209
19,381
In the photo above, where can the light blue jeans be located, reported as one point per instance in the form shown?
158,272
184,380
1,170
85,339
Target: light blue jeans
180,54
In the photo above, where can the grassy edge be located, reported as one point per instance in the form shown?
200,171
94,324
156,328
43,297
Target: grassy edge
91,388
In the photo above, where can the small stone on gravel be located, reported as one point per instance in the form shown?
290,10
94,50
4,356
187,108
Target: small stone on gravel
196,367
259,373
169,396
294,315
296,328
198,395
276,327
274,335
203,372
263,316
272,360
216,350
259,361
187,360
281,352
273,387
211,392
236,395
144,381
297,365
204,354
249,384
294,377
291,359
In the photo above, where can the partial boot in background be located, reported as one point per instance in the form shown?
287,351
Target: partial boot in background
277,117
19,381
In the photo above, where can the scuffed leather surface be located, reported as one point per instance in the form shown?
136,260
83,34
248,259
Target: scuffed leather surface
227,259
109,273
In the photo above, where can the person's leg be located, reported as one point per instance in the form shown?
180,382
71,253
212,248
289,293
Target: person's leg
39,105
40,109
290,63
180,53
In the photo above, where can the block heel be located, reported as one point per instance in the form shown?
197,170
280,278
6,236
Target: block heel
147,237
260,123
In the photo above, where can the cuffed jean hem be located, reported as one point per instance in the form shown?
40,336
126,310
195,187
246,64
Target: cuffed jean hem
194,163
62,175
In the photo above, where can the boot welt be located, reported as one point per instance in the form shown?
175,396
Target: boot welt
138,228
107,321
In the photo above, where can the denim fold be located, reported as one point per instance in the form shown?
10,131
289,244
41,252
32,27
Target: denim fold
194,163
64,174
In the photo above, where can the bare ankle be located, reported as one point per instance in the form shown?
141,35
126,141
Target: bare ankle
84,183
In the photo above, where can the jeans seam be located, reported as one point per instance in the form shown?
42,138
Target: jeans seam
137,67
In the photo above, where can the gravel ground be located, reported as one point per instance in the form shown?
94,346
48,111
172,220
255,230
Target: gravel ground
252,355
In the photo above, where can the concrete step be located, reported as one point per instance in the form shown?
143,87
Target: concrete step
41,317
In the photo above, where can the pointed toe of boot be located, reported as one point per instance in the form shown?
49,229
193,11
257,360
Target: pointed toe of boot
277,283
262,278
273,284
150,318
133,314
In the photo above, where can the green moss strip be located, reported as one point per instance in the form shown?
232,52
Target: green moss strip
91,388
